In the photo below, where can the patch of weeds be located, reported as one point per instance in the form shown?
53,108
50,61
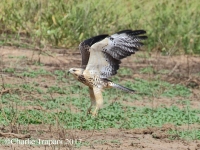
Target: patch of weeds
39,90
10,85
58,29
176,90
57,89
116,79
116,116
147,70
38,64
78,88
31,88
164,71
19,57
9,70
143,117
7,98
100,142
185,134
158,88
81,103
183,102
115,141
34,73
79,144
34,117
143,55
27,87
53,103
4,141
124,71
61,75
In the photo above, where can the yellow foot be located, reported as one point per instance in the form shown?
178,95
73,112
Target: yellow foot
94,114
89,112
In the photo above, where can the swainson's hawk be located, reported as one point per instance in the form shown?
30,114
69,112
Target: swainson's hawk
101,57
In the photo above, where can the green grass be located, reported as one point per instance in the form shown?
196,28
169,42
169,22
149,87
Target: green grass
185,134
117,115
64,101
172,26
33,73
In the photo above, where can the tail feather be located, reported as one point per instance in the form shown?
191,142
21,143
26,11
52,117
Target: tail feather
117,86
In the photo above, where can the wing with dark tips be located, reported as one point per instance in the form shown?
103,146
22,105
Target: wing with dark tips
106,54
85,46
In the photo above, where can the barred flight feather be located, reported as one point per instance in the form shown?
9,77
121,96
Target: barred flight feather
114,48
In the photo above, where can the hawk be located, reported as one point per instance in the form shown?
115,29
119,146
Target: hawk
101,57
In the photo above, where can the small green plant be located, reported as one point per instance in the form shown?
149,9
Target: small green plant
158,88
9,70
185,134
33,73
116,116
171,25
124,71
147,70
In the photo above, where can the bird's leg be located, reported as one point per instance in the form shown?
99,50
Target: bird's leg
92,98
94,113
98,99
90,108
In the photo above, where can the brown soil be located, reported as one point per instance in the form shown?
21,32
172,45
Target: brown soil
155,138
178,69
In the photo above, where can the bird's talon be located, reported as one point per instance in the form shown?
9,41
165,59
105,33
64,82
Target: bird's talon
94,114
89,111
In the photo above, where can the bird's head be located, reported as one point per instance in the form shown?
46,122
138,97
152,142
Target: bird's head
76,71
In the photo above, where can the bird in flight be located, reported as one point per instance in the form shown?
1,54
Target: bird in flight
101,57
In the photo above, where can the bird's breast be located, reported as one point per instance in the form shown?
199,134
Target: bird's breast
82,79
92,81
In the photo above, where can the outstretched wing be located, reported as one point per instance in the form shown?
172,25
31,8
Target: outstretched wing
85,46
105,55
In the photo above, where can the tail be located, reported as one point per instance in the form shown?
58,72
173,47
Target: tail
117,86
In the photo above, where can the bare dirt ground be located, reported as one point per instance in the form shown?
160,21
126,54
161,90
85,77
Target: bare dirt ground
109,139
177,69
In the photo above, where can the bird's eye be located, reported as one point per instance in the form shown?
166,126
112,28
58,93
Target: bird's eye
74,70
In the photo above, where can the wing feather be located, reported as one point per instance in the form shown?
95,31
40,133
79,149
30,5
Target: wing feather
85,46
106,54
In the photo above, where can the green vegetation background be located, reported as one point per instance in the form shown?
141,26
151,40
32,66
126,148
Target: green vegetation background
173,26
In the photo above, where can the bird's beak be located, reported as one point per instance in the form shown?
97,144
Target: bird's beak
68,72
